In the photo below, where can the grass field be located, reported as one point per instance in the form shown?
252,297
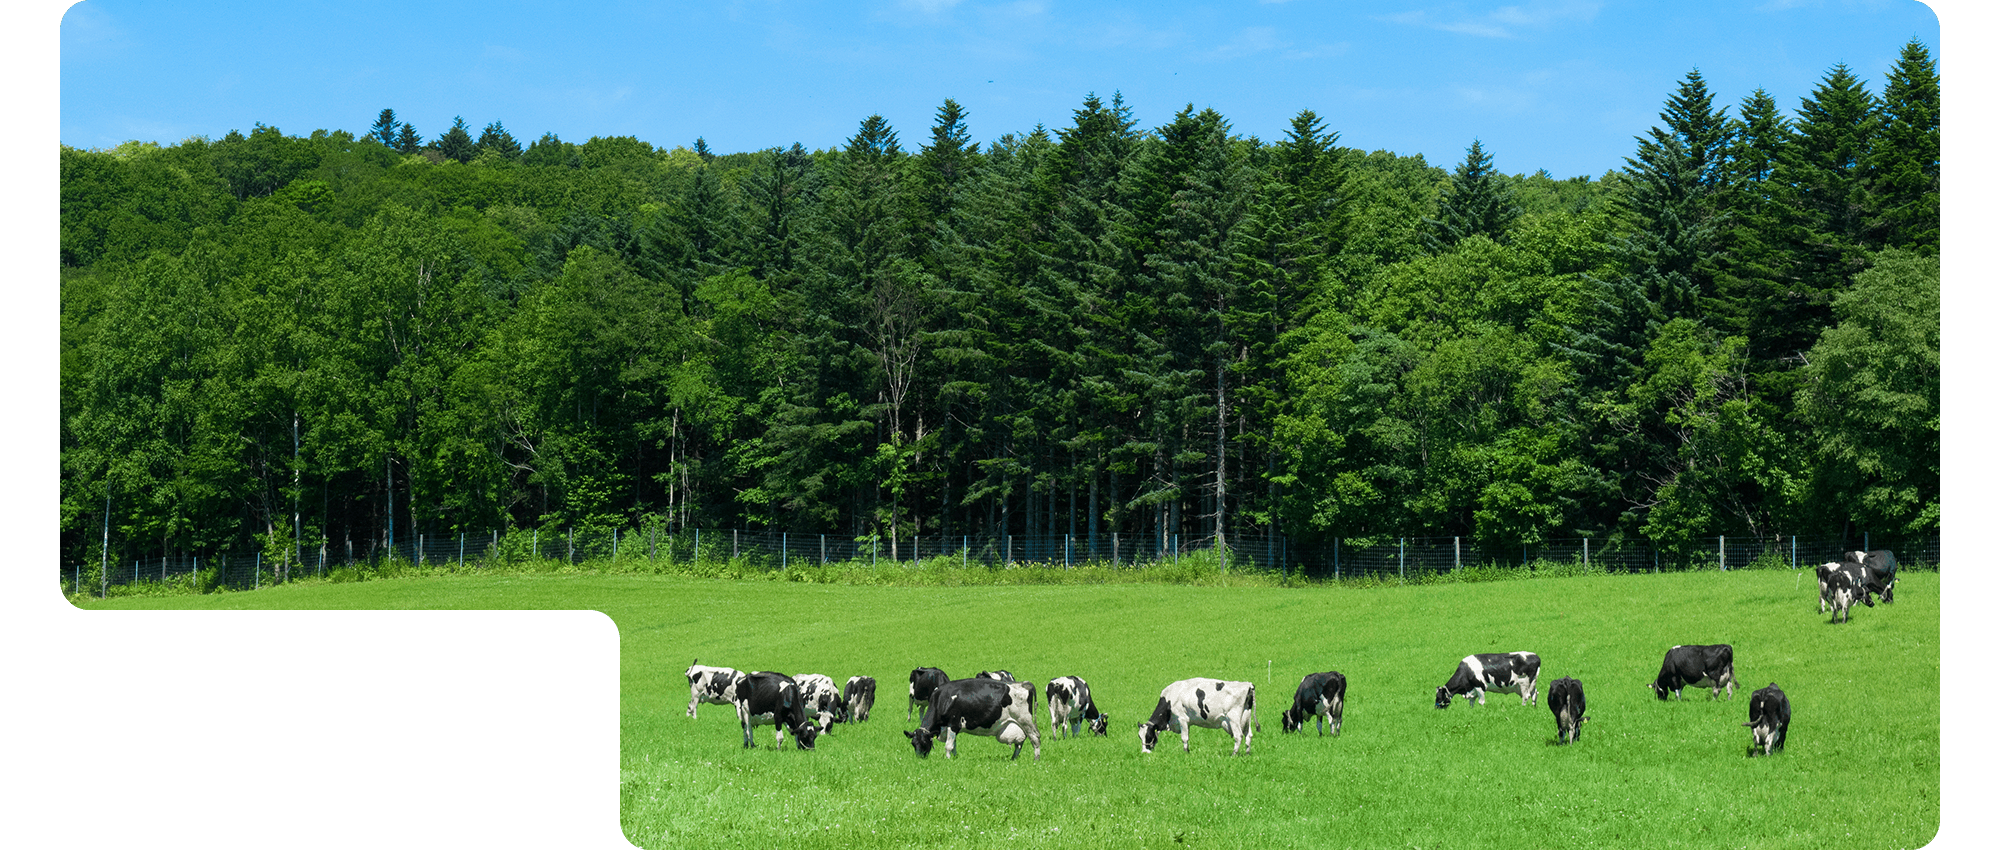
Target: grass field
1861,769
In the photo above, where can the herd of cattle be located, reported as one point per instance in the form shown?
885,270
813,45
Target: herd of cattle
996,705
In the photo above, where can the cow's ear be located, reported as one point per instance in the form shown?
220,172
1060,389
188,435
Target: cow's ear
909,734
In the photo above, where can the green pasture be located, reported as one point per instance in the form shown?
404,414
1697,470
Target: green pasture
1403,774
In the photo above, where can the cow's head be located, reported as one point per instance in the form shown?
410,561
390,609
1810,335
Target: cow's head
1443,698
921,741
1100,726
1657,690
1291,720
806,734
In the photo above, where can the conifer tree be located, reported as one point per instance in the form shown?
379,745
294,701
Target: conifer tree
495,138
1903,171
1478,203
456,143
1752,275
1677,181
384,130
701,149
407,140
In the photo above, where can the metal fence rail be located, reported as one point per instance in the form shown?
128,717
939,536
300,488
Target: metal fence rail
1253,550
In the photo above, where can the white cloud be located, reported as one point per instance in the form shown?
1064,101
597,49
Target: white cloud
1503,22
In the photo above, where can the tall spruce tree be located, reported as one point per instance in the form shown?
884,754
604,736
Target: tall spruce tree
1829,210
1753,276
407,140
1677,179
1903,162
384,129
1479,203
495,138
456,143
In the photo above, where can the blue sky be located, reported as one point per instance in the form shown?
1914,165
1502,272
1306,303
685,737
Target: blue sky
1558,84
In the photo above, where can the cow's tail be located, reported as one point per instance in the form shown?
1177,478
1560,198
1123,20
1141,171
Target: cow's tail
1031,698
1250,702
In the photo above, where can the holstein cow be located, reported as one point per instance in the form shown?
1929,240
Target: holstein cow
1320,696
1002,675
774,699
1209,703
1492,671
989,707
1770,713
1878,571
1566,703
858,698
1842,587
1712,666
923,681
712,685
822,698
1070,705
1864,581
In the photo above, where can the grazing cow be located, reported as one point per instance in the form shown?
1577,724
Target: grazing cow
774,699
1320,696
1210,703
923,681
1002,675
1070,705
712,685
1842,588
1712,666
989,707
1770,713
822,698
858,698
1865,581
1492,671
1566,703
1878,571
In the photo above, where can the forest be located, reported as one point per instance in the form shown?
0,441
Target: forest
269,340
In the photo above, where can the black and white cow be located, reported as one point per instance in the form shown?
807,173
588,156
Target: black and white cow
765,698
858,698
1566,703
1712,666
1492,671
1209,703
1002,675
1863,581
822,698
1320,697
1841,588
712,685
923,681
988,707
1770,713
1878,571
1070,705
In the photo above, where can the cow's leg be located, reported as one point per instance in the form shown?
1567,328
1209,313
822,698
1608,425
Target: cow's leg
692,699
1479,694
950,741
1034,736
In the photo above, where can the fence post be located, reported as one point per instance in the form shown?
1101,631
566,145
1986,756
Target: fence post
784,550
1454,554
822,550
965,550
1795,551
257,568
1586,553
1399,558
614,547
535,544
569,537
461,550
1864,541
1336,559
1721,554
1065,551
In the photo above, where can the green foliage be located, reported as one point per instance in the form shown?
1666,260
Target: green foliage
1089,330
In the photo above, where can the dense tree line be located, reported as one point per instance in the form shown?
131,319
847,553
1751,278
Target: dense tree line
1098,328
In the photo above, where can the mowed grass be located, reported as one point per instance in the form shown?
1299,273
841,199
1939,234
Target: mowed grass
1861,768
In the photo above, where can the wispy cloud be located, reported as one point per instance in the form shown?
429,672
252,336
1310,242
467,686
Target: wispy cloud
1249,41
1503,22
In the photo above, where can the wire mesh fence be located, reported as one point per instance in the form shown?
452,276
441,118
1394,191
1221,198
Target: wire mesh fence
653,546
